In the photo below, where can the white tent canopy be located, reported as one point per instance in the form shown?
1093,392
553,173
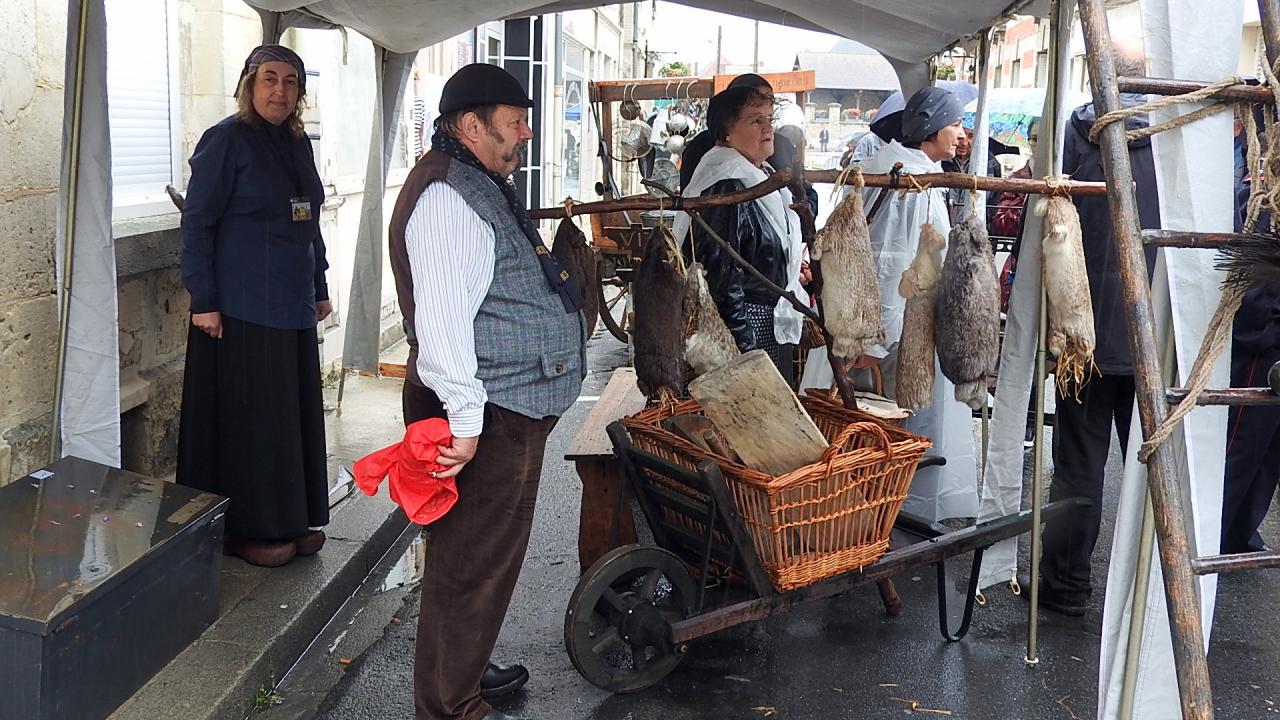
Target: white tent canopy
903,30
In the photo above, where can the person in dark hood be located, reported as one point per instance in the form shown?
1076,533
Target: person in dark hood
1082,433
1253,432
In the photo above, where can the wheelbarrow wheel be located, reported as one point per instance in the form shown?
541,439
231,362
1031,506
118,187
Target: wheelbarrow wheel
617,629
619,329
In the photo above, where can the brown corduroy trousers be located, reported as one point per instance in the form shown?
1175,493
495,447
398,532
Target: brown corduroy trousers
473,558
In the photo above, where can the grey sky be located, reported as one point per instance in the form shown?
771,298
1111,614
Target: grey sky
689,34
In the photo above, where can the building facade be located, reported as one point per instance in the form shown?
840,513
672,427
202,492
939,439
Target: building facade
172,67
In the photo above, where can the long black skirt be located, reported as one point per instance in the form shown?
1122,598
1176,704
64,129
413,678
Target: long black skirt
253,428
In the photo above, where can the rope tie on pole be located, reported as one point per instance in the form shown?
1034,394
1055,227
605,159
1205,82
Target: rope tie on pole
1195,96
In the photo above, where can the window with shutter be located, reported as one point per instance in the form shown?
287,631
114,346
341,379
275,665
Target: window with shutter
141,89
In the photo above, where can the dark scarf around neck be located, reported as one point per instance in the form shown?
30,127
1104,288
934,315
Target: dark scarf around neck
567,286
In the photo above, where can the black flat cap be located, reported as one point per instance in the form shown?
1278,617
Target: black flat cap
482,84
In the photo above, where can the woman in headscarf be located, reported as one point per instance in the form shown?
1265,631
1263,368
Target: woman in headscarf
931,130
253,261
765,231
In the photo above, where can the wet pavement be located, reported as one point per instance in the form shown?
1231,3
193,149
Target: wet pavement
840,658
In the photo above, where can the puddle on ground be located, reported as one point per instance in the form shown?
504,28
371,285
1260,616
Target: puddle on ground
408,569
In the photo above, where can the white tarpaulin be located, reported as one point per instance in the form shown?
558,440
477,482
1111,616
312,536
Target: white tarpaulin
1194,176
910,30
1002,481
89,415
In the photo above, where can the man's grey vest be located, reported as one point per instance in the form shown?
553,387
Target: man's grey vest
531,353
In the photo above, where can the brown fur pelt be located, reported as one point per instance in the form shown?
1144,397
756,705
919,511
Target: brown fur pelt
1066,284
576,256
967,312
708,343
850,291
913,386
658,335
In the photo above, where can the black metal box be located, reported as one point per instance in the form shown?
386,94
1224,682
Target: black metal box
105,576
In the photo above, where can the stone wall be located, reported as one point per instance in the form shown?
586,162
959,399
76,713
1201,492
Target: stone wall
153,337
32,52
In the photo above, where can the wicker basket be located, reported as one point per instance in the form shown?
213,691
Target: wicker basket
818,521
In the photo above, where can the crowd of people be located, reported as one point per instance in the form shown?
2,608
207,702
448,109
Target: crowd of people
497,340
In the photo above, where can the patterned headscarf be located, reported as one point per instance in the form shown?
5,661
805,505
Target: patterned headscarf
274,53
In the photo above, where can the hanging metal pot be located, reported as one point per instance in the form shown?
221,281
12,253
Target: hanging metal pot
677,123
629,110
674,144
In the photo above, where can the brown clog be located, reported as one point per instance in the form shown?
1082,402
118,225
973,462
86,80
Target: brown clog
263,553
310,543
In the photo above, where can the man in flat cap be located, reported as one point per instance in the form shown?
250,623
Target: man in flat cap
497,346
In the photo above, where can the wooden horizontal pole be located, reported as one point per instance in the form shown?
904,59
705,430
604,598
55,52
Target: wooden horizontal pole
782,178
1215,564
1230,396
652,89
964,181
1164,86
1187,239
775,182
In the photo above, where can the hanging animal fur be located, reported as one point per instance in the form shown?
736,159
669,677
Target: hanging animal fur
575,255
1066,284
659,289
1252,258
850,291
708,343
913,387
967,311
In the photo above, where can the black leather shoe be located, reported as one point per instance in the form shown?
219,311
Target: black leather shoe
498,715
499,680
1068,604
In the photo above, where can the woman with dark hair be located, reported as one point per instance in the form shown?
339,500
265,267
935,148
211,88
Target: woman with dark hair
765,231
253,261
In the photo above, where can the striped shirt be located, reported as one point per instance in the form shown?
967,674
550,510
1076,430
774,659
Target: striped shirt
451,256
419,126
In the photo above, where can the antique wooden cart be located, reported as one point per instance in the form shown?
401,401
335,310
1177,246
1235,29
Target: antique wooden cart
634,612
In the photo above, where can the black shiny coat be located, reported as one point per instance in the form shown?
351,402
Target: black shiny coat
746,229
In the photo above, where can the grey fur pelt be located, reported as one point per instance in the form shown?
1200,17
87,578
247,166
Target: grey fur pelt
850,291
913,385
967,312
658,289
710,344
1066,284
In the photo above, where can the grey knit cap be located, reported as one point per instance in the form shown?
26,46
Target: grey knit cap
928,111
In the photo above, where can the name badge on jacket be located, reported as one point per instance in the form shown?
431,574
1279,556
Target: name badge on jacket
300,209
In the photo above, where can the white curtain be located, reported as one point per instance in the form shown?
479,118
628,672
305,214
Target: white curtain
1002,483
1194,177
89,415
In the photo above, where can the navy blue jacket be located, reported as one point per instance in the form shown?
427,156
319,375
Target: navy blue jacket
1082,160
242,253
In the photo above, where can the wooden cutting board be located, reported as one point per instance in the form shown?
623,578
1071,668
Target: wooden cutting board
758,414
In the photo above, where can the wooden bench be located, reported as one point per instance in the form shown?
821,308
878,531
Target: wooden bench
598,469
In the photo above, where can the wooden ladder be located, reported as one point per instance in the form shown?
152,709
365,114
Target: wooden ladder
1179,567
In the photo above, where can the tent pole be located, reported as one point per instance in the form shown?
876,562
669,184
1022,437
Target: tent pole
1142,573
69,243
1048,140
1138,615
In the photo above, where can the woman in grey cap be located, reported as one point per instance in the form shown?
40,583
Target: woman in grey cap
931,128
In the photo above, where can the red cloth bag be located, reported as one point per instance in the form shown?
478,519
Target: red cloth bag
409,464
